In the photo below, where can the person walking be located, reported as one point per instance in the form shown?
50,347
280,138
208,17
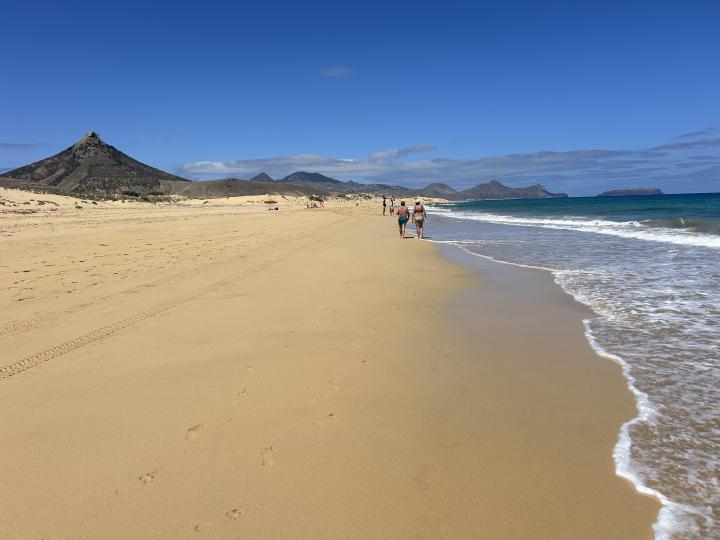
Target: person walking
419,216
384,204
403,217
392,205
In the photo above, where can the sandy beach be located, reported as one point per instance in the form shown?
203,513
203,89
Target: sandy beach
220,371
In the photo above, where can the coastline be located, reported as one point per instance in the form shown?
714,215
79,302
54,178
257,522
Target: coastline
594,384
265,384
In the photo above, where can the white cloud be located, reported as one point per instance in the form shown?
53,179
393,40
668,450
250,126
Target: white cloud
336,72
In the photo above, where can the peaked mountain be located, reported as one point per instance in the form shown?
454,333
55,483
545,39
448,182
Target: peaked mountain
315,178
262,177
496,190
93,166
439,190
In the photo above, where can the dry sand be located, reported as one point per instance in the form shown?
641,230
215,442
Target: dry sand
219,371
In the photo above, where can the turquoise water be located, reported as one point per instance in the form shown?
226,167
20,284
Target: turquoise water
699,212
650,268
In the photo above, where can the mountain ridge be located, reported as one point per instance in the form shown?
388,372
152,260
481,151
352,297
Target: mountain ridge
92,167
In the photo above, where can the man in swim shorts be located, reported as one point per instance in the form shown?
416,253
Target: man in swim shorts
403,217
419,216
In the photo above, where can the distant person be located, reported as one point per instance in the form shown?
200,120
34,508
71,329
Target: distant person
403,217
384,204
419,216
392,205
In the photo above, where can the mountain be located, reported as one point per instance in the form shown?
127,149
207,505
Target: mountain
232,187
315,178
439,190
496,190
93,166
262,177
631,191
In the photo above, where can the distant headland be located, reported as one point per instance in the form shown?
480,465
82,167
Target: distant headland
631,192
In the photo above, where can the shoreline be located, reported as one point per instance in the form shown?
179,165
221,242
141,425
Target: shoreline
611,374
621,450
293,374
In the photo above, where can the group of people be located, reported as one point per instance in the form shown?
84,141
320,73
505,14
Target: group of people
418,215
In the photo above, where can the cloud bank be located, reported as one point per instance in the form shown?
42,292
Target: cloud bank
695,134
673,166
19,146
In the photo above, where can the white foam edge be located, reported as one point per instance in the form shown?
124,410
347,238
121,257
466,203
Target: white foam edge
623,229
669,518
488,257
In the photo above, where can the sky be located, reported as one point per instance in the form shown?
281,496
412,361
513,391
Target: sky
578,96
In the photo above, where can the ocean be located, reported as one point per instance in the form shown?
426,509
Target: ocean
649,267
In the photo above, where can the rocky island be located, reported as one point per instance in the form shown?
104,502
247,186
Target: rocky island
631,192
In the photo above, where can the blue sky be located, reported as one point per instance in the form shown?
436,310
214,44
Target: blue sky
578,96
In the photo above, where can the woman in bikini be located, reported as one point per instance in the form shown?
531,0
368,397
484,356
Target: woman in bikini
419,216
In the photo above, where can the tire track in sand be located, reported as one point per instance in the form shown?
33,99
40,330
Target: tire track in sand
43,318
49,316
41,357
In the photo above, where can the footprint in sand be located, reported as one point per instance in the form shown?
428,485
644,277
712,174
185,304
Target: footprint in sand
333,386
325,419
192,432
267,460
243,393
148,478
421,483
250,368
235,513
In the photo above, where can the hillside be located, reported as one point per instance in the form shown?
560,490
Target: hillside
315,178
93,166
262,177
439,190
496,190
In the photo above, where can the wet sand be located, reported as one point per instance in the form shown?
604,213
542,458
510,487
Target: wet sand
220,371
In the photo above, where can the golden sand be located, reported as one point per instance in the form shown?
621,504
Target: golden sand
220,371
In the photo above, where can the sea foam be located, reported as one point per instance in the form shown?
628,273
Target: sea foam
625,229
657,296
